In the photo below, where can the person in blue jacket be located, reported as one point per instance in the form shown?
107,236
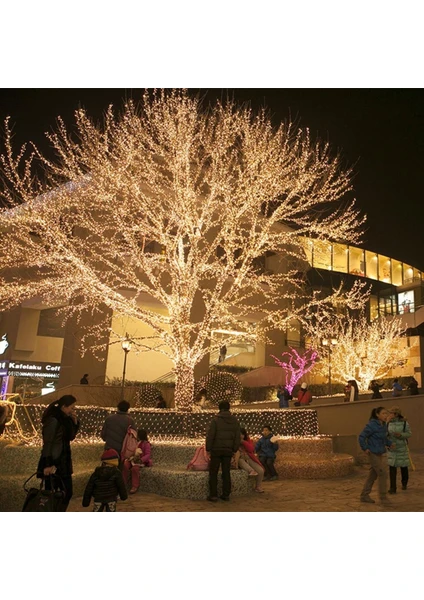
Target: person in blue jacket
374,441
266,448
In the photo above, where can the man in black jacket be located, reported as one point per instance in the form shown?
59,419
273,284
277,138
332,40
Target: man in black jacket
116,426
222,441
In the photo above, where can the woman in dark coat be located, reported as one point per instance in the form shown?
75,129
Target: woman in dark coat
60,426
375,388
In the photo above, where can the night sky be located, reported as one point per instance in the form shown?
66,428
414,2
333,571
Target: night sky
380,132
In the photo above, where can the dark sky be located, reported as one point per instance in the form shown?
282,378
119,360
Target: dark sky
381,132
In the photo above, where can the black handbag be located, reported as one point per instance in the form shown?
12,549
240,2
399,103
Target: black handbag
42,500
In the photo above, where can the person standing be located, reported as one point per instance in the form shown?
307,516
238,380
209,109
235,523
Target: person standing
375,388
84,379
354,391
283,396
266,448
399,432
374,441
116,426
105,484
413,387
60,426
222,442
222,353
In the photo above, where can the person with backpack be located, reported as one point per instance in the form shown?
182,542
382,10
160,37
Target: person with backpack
141,457
115,427
374,441
266,448
60,425
105,484
222,442
249,461
399,431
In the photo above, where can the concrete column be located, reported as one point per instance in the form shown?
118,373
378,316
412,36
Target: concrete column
73,365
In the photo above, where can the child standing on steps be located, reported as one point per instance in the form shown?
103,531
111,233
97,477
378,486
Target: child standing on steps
105,484
266,448
141,458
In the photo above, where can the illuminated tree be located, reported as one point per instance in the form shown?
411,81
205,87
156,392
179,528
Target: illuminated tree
166,214
364,351
296,364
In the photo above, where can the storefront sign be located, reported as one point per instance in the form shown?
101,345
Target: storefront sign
16,368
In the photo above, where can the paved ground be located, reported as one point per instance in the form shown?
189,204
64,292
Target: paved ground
329,495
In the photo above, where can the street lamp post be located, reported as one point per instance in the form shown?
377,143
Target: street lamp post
126,347
329,343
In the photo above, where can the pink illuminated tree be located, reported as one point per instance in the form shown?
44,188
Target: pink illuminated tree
296,365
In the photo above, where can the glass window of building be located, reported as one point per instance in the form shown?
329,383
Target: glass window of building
384,269
371,264
322,255
356,261
408,274
417,276
340,254
406,302
373,307
396,272
308,246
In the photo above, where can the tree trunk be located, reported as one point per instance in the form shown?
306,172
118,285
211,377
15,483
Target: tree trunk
184,387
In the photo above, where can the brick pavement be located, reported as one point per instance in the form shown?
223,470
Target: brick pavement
328,495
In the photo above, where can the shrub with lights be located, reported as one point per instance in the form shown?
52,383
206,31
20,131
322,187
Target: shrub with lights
220,386
147,396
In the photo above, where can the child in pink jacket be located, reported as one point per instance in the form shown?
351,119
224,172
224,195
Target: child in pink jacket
141,458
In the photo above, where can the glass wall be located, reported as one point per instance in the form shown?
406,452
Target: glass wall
373,307
364,263
322,255
406,302
371,264
396,272
340,256
384,268
356,261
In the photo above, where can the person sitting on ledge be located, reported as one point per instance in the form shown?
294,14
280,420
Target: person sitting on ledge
304,396
84,379
413,387
160,403
249,461
141,458
266,448
116,426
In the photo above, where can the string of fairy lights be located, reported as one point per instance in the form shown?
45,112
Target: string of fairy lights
173,425
296,365
363,350
167,212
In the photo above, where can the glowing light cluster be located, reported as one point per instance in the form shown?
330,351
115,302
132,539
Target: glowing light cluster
173,424
364,350
296,365
165,214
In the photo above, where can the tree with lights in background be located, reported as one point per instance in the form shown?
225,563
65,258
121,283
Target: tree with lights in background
175,205
296,364
363,350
